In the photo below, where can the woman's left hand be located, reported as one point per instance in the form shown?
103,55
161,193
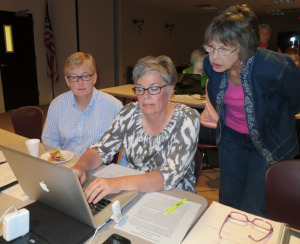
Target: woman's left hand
101,187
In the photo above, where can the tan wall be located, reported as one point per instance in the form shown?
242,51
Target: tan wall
96,28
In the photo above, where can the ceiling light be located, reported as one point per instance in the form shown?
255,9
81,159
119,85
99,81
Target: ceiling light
275,11
283,1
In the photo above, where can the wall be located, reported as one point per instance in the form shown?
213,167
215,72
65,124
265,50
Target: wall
96,29
96,35
281,24
154,39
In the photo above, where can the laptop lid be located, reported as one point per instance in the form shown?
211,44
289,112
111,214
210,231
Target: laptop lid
58,187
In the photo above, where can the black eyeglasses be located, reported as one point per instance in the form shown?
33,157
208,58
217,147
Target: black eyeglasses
222,50
257,222
84,77
152,90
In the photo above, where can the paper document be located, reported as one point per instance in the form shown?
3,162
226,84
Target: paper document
6,175
16,191
2,158
195,96
115,170
207,229
147,218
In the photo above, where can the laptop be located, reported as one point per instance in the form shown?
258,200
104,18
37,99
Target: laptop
188,84
58,187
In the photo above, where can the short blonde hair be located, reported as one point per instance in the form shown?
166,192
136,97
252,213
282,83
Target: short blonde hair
196,56
77,59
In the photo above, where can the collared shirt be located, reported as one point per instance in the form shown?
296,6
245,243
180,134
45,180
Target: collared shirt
69,128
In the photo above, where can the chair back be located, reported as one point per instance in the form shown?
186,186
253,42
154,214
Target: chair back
198,163
28,121
282,184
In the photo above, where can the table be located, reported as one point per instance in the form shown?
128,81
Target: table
125,92
18,142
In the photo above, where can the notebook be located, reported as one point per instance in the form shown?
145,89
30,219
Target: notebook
58,187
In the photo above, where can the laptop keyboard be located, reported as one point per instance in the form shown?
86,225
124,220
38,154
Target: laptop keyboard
96,208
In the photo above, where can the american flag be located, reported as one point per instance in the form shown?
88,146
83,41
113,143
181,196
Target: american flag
50,48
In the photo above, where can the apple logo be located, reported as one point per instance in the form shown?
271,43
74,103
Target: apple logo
44,186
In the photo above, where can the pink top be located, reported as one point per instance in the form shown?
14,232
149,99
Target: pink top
209,116
235,108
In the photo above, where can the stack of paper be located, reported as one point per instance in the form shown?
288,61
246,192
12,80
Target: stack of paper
149,221
207,229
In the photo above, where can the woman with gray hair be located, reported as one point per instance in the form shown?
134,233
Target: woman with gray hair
159,137
255,92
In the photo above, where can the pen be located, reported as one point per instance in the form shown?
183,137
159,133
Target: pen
175,206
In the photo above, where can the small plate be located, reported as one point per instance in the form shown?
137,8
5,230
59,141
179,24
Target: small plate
66,154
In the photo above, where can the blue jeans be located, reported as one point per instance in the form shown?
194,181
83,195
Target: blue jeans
242,173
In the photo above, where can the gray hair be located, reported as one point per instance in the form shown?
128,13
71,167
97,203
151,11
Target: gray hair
161,64
235,26
196,56
265,27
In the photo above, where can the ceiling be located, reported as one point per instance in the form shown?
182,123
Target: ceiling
260,7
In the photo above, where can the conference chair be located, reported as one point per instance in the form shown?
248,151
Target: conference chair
206,150
198,164
282,184
28,121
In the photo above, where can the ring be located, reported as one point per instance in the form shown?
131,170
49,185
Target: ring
100,189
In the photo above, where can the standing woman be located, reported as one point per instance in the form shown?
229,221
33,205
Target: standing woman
159,137
256,94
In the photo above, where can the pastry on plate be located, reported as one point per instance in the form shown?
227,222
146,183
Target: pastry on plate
56,155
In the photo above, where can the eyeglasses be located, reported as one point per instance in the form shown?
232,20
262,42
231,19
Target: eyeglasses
152,90
257,222
84,77
222,50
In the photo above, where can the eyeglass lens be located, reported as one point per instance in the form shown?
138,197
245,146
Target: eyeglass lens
153,90
223,51
264,227
84,77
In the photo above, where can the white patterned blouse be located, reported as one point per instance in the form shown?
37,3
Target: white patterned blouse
171,152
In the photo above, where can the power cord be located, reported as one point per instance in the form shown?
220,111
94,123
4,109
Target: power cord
117,217
98,228
16,210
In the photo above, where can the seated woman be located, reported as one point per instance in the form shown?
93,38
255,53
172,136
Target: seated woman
197,58
159,137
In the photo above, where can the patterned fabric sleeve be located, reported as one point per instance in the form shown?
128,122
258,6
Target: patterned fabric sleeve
179,169
112,140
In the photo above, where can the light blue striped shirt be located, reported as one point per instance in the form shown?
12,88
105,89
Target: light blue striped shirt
69,128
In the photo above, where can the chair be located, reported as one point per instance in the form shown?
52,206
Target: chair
282,184
205,149
28,121
198,164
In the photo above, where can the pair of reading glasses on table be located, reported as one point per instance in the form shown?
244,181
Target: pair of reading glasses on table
257,222
152,90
